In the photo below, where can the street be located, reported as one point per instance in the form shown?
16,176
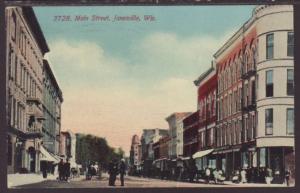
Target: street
131,181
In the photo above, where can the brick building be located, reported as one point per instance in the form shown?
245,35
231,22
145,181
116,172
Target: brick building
190,134
255,126
207,96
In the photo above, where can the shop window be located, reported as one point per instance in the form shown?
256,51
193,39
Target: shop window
270,46
269,121
269,83
262,157
245,159
290,44
290,82
290,121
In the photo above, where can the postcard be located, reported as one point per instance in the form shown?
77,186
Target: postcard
150,96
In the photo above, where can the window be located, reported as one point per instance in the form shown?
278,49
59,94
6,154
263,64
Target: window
290,82
245,159
269,83
14,26
262,157
246,95
9,150
290,121
270,46
290,44
253,92
269,121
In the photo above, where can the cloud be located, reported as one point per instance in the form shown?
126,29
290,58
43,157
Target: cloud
116,98
82,62
160,54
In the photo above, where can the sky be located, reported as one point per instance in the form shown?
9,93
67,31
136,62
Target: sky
120,77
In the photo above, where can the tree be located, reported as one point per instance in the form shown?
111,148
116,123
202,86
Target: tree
92,149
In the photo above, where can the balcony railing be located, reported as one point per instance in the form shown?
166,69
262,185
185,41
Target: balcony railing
34,100
249,107
34,132
248,74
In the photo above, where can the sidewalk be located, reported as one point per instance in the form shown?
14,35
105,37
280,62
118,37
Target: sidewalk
246,184
22,179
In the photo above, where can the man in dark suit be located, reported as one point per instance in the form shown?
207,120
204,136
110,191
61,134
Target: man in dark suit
112,171
122,170
67,169
61,170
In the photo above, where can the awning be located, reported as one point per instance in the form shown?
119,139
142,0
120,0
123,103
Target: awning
226,151
46,156
185,158
200,154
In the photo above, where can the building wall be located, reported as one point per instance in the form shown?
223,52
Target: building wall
135,150
242,65
52,99
190,134
24,60
279,21
179,147
176,133
207,99
164,147
62,145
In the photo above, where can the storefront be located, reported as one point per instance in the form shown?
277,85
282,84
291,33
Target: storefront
278,159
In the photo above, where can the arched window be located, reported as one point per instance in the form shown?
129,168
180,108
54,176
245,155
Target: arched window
254,56
246,58
229,74
234,71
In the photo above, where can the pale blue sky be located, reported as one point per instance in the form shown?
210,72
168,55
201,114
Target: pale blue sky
121,77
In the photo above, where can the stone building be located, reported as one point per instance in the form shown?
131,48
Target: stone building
135,151
176,133
52,100
67,148
26,47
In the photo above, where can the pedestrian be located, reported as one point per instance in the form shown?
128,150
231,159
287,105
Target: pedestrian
122,170
53,168
67,169
193,169
180,170
236,177
216,175
112,171
44,168
207,175
61,170
287,176
243,176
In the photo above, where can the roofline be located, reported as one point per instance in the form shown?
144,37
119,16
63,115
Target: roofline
35,27
204,75
174,114
236,35
48,68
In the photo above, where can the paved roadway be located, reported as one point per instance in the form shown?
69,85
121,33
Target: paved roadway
130,181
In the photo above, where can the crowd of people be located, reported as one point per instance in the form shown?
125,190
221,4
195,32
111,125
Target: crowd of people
188,171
